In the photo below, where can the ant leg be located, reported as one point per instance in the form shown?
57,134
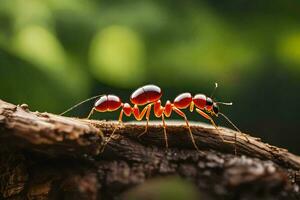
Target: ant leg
90,114
136,113
245,135
139,116
165,130
159,111
188,125
214,124
121,117
206,116
192,105
147,118
116,126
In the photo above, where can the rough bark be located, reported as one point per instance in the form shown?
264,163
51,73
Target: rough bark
46,156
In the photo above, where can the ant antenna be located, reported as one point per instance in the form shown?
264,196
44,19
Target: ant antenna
213,92
235,127
230,122
78,104
225,103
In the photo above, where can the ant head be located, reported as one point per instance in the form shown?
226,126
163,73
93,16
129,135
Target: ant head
215,109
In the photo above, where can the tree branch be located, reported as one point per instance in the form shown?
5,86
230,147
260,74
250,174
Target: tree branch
49,156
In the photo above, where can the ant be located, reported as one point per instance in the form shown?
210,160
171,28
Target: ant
205,106
109,103
150,95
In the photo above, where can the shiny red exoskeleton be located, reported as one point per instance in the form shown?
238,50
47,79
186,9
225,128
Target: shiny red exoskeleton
146,94
149,95
203,105
183,101
143,95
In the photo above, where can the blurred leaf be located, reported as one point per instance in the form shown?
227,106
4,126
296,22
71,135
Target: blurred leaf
117,57
40,46
25,83
25,13
289,50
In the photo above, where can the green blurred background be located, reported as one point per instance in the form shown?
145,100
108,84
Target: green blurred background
54,53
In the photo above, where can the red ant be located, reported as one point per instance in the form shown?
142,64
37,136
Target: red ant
108,103
150,95
204,106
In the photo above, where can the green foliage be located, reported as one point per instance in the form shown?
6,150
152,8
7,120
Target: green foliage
163,189
54,53
117,57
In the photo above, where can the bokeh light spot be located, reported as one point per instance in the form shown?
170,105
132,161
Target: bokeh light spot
117,57
289,50
36,44
40,47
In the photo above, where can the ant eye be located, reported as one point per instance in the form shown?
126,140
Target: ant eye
215,108
209,101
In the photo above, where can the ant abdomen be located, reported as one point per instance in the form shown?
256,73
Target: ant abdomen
107,103
200,101
183,100
146,94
